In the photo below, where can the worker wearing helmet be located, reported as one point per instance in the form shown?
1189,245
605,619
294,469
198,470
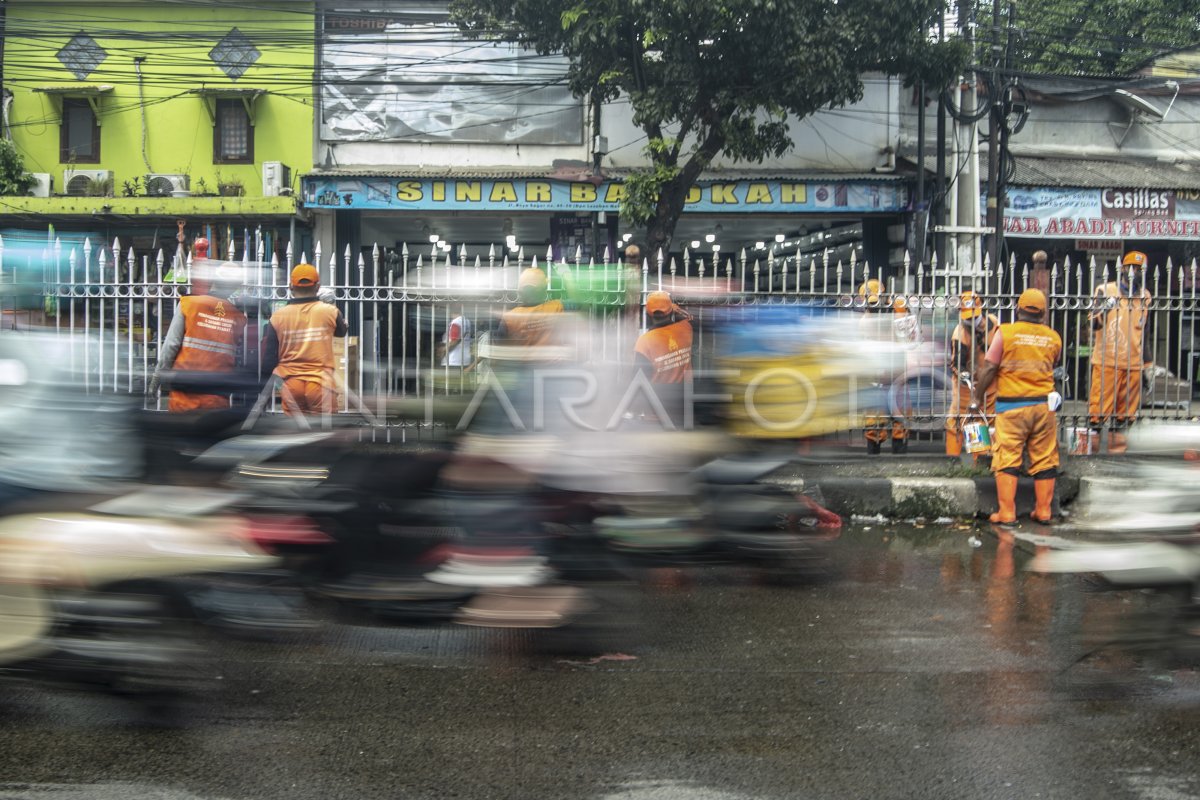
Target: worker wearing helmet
969,343
1021,361
205,334
1120,312
664,351
531,322
878,428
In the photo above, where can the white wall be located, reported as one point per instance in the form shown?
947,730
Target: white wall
850,139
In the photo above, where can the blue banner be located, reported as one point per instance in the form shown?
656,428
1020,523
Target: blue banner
531,194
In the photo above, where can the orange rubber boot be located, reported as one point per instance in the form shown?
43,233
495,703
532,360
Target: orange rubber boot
953,443
1043,492
1006,495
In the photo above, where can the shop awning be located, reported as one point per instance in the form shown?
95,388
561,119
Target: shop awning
211,94
93,92
1093,174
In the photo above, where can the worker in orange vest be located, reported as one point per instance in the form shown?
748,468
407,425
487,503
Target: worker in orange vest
1119,352
1021,360
968,347
664,351
205,335
878,428
298,345
532,321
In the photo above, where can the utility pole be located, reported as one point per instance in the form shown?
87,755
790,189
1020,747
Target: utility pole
998,136
939,207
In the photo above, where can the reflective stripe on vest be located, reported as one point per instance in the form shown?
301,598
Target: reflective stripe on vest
212,329
1027,364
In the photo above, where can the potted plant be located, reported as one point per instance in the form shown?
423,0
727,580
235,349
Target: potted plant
230,187
202,188
99,188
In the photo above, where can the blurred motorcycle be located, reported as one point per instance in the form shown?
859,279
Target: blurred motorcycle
1142,534
106,595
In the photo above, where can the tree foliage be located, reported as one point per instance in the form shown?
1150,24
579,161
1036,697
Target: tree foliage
717,77
14,180
1099,37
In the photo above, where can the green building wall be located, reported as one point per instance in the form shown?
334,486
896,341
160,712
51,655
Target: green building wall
175,40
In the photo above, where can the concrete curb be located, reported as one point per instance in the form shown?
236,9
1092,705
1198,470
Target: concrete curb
930,497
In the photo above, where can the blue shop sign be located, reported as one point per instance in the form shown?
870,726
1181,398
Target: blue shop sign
531,194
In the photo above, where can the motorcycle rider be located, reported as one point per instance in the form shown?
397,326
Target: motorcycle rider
1021,360
968,348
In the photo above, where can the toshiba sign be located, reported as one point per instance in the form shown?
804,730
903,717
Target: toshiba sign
1137,203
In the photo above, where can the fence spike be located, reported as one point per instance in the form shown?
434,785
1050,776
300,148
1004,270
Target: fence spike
549,253
316,255
607,254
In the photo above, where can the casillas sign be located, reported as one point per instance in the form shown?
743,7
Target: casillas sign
1102,213
1137,203
459,194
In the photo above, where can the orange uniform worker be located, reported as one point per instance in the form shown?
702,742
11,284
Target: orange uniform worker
1119,352
879,428
532,322
664,351
298,345
204,336
969,343
1021,360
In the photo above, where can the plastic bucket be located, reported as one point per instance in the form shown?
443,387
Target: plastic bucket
1083,441
977,438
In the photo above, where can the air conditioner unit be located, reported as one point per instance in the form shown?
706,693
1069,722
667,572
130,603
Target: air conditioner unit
44,185
167,185
83,182
277,178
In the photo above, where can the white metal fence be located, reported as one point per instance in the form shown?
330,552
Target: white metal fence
399,303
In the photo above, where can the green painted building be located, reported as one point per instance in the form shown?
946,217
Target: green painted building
135,115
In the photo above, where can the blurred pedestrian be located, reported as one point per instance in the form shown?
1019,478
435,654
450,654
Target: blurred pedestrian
205,336
458,343
298,345
531,323
1021,360
1120,350
968,348
879,428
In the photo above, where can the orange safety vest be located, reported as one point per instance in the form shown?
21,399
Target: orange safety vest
305,333
1118,343
1027,364
669,349
212,328
964,337
533,326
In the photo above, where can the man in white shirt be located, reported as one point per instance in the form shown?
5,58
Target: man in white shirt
458,343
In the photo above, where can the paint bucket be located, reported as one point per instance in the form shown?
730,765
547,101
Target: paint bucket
1082,441
977,438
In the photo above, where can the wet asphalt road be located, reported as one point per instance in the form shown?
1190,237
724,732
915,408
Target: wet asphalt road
924,668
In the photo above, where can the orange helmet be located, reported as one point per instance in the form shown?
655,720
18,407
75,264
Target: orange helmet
970,305
1134,258
871,290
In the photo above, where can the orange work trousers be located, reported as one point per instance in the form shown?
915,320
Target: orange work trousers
186,401
960,414
307,396
878,429
1030,429
1115,396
